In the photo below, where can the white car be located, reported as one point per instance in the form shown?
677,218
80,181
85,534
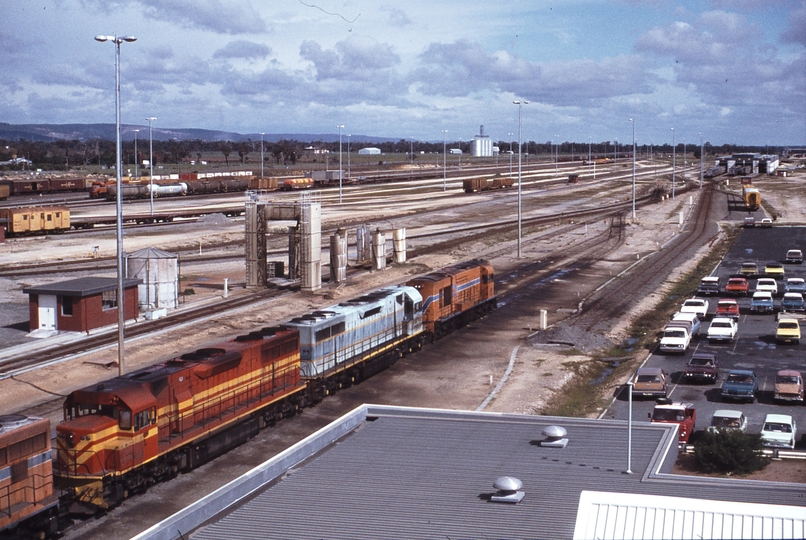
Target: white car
675,339
767,285
698,306
722,329
779,431
728,420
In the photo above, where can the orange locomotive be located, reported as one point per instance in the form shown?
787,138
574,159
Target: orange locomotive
132,431
28,505
456,295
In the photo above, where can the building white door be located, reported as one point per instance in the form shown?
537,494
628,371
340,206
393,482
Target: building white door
47,312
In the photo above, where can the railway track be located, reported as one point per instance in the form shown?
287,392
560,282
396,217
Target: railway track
27,361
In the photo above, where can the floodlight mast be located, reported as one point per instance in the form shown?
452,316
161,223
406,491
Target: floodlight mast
520,105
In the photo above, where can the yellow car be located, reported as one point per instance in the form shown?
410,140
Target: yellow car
774,269
749,269
788,331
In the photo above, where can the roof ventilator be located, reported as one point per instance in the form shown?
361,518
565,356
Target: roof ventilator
509,490
555,437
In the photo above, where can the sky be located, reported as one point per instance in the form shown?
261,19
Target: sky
733,71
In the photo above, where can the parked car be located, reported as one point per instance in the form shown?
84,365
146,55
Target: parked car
676,338
794,256
795,284
749,269
741,384
698,306
737,286
650,382
693,321
722,329
792,301
789,386
767,285
774,268
682,414
749,221
765,222
702,367
779,431
728,420
762,303
788,331
708,285
727,307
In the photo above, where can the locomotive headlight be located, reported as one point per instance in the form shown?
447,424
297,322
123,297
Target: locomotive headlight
71,440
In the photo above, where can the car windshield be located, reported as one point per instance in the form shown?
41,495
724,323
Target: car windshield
648,379
736,282
788,326
720,324
668,415
724,421
700,361
695,303
787,379
674,333
726,305
777,427
739,378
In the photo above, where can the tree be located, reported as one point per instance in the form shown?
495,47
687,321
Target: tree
730,451
226,149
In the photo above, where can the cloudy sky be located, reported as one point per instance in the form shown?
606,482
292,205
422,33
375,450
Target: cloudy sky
733,70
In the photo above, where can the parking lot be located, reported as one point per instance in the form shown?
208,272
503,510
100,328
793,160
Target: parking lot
755,347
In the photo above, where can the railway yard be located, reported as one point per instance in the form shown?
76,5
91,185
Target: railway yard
604,280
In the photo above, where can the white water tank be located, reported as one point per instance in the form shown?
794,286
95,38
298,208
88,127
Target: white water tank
159,271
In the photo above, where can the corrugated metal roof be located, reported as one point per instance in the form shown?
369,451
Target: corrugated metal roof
413,473
152,253
81,287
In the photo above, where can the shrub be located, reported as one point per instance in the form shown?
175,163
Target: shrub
730,451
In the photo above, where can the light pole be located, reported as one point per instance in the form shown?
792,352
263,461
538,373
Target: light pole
684,157
411,158
590,140
674,161
261,153
445,160
136,131
520,105
702,157
629,426
150,164
556,155
615,151
633,168
348,156
341,126
117,40
510,154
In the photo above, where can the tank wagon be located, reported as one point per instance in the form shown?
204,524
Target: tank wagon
456,295
297,183
28,503
751,197
35,220
472,185
121,436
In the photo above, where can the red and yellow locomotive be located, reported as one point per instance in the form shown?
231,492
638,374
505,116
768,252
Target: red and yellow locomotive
455,295
127,433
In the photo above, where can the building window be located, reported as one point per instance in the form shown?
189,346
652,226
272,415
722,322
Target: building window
109,299
67,306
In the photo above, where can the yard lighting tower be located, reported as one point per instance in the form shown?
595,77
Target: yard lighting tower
520,105
341,127
117,40
445,160
136,131
348,156
556,155
633,168
151,164
674,161
411,158
261,153
629,426
510,154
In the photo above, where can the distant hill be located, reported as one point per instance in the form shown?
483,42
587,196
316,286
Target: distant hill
56,132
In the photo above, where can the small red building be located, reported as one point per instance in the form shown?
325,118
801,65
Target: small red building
79,305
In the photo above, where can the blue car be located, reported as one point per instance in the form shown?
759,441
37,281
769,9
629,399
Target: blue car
795,285
741,385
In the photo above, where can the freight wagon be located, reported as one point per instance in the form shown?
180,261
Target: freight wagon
485,184
35,220
22,186
5,191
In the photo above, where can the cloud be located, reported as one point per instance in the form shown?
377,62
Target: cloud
243,49
220,16
397,17
796,33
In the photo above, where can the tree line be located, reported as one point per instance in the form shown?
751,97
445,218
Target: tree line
67,154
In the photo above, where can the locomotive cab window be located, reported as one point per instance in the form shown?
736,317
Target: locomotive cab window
125,419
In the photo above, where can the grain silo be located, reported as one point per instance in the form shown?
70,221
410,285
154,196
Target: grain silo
159,272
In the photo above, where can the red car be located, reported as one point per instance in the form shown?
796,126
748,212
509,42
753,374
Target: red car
737,285
727,307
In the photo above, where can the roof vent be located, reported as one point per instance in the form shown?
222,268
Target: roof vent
11,421
555,437
508,490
